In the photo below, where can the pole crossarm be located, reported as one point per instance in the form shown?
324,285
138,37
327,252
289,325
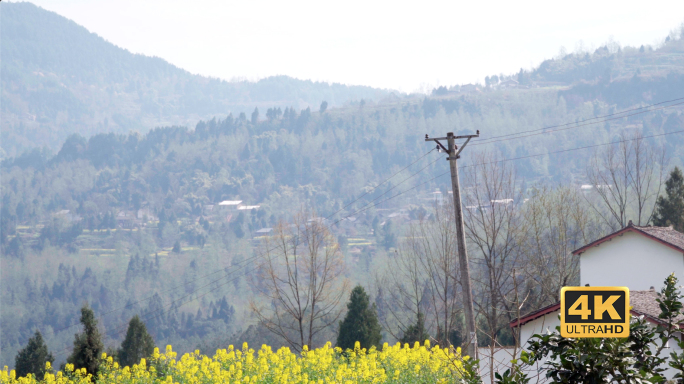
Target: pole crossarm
456,156
455,137
439,143
463,146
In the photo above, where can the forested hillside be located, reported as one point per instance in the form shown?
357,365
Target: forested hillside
131,220
58,78
116,218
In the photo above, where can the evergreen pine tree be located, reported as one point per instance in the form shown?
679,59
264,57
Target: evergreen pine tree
255,116
32,358
670,208
87,345
416,332
137,345
360,324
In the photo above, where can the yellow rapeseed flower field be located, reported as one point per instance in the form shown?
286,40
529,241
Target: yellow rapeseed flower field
392,364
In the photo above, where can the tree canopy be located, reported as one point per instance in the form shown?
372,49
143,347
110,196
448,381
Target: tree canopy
137,345
361,322
88,345
32,358
670,208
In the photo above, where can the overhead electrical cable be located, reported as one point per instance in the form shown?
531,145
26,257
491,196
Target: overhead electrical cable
394,186
547,131
577,126
383,182
511,159
490,140
253,257
390,198
482,140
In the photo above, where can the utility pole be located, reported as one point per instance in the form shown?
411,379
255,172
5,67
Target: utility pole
453,152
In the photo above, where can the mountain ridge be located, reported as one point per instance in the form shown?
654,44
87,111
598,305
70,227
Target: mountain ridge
59,78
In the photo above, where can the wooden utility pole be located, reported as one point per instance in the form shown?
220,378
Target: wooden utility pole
453,152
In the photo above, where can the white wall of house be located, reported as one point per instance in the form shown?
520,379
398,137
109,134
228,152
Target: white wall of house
545,323
541,325
671,347
500,359
631,260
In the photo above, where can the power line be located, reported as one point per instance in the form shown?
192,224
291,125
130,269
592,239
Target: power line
486,140
171,307
573,149
149,316
384,193
483,141
143,300
577,126
512,159
388,199
254,257
396,173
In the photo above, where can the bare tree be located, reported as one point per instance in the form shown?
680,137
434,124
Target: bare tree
494,229
431,243
627,178
422,277
558,222
405,283
301,280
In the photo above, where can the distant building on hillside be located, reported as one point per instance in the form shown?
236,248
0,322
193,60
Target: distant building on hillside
68,216
146,214
247,207
230,204
509,84
127,220
469,88
264,231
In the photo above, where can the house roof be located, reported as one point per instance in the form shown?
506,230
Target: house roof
248,207
642,303
230,202
664,235
535,315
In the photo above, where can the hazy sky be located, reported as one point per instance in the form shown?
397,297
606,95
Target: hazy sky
390,44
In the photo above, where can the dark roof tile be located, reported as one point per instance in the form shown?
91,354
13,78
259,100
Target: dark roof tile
642,303
666,234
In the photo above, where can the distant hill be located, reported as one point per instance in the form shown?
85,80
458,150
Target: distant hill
622,76
58,78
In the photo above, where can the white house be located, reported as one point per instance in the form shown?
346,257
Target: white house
635,257
639,258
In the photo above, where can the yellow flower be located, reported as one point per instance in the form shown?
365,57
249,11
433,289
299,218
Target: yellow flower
326,364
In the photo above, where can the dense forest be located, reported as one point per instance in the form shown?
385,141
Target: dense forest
132,223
